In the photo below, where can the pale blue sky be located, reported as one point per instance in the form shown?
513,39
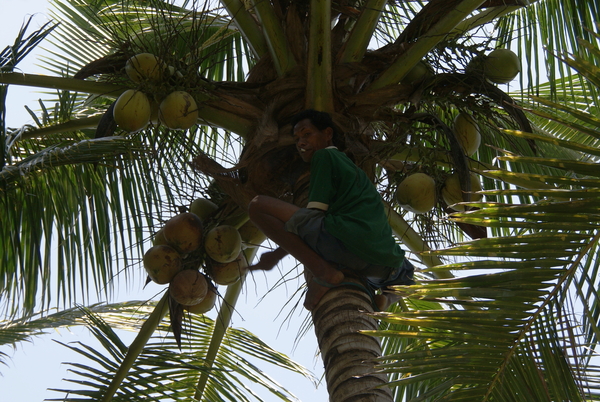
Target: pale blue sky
35,367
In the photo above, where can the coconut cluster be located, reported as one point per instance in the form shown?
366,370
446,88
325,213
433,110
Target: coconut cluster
193,255
136,108
418,193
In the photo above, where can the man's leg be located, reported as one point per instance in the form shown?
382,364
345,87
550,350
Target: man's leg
270,215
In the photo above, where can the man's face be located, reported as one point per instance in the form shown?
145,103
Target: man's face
310,139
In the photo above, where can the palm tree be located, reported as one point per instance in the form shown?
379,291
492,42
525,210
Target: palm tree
493,324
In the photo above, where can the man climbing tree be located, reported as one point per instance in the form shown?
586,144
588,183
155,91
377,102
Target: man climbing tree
342,237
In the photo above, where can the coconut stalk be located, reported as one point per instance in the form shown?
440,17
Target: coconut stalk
319,78
221,324
137,346
362,32
424,44
283,59
247,26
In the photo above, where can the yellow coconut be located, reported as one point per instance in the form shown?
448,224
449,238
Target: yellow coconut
251,235
466,131
223,243
162,262
178,111
188,287
132,111
501,66
184,232
228,273
145,66
207,303
416,193
453,194
203,208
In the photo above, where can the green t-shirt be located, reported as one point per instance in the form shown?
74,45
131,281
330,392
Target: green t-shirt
354,209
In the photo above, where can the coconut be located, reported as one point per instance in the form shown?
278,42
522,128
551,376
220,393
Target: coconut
132,111
159,238
145,66
188,287
162,262
228,273
207,303
416,193
251,235
501,66
453,194
184,232
223,243
178,111
203,208
417,74
466,132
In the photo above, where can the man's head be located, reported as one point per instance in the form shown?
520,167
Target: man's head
313,130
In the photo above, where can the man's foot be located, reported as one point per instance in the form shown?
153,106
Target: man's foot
268,260
385,300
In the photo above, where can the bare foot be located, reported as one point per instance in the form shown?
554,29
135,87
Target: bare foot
269,259
385,300
314,294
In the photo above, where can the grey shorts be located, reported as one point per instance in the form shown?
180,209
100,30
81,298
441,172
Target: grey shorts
309,225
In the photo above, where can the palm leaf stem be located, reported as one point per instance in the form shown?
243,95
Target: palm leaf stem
484,17
362,32
443,158
138,345
276,40
413,241
247,26
69,84
71,125
424,44
550,298
221,324
319,89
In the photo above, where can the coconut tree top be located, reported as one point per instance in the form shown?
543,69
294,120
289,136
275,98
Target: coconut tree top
395,76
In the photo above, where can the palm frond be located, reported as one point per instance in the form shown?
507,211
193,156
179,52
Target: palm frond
173,371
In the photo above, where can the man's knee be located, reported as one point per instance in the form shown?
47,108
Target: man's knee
256,205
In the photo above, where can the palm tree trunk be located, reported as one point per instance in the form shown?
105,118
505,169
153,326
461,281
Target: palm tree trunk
349,356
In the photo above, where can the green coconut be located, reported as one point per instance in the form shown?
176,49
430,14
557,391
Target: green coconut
203,208
178,111
453,194
228,273
188,287
416,193
132,111
466,131
184,232
417,74
162,262
251,235
223,243
501,66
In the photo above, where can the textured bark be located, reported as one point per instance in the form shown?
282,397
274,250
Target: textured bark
348,356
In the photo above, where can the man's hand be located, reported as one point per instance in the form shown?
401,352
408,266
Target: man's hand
269,260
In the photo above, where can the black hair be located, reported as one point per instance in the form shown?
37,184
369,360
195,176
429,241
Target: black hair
320,120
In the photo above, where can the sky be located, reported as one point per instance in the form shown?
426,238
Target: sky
35,366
